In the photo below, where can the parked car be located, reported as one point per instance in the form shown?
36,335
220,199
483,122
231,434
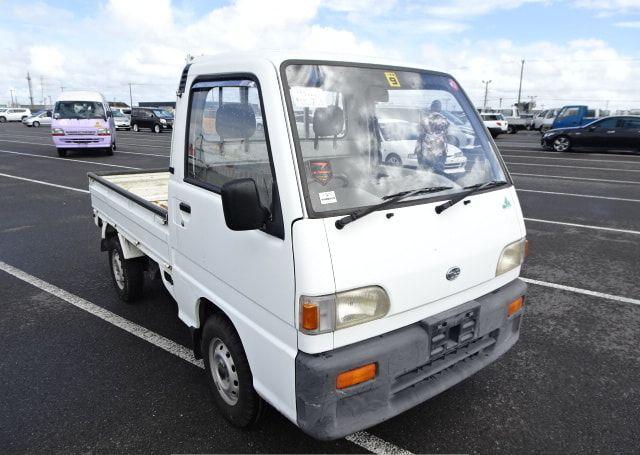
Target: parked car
495,123
569,116
14,114
39,118
82,120
120,120
547,121
398,143
153,118
609,133
348,292
123,110
516,121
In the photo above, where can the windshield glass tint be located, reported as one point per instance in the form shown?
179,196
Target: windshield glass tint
367,133
162,114
79,109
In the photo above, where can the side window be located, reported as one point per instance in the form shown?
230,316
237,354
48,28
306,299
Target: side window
608,123
632,123
226,139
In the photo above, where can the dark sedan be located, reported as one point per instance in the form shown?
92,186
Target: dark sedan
610,133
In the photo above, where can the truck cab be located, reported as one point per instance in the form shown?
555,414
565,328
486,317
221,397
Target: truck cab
572,116
314,275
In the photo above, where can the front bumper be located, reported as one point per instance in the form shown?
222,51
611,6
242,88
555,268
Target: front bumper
409,373
70,141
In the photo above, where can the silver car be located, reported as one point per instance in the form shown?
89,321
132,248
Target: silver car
37,119
122,121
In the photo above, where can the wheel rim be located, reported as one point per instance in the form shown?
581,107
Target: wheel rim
223,371
156,129
561,144
135,128
394,161
36,124
116,266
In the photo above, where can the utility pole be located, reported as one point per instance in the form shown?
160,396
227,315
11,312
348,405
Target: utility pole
62,88
520,86
30,89
500,107
130,95
11,93
42,89
486,91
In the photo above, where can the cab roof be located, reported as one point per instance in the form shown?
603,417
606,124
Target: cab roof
81,95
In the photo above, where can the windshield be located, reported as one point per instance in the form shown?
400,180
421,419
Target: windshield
118,114
162,113
364,134
79,110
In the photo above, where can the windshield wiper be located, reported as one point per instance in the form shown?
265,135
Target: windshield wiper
471,189
388,200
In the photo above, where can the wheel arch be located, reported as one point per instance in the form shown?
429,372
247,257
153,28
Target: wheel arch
205,308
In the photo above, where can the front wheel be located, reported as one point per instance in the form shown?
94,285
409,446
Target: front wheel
393,160
62,153
36,124
561,144
109,150
156,128
135,127
228,372
127,274
512,130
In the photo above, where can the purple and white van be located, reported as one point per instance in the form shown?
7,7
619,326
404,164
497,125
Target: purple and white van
82,120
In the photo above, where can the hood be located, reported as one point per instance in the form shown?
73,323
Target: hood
74,124
410,253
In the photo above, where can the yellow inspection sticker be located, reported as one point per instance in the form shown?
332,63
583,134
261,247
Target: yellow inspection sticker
392,79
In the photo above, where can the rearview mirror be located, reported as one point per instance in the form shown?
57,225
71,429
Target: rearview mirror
241,205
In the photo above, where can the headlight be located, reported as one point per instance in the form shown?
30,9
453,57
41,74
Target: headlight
104,131
511,257
344,309
57,132
163,120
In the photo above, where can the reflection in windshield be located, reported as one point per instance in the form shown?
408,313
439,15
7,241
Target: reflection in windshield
366,133
79,110
162,114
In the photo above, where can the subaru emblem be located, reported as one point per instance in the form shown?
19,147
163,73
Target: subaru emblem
453,273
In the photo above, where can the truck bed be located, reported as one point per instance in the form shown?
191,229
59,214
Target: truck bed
135,204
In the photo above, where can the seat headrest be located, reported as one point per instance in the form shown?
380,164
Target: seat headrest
328,121
235,121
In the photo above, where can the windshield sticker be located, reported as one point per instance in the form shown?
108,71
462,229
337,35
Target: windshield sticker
392,79
328,197
321,171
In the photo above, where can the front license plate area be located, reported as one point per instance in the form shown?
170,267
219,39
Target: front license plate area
453,332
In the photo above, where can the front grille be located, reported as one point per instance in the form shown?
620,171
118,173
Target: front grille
80,133
81,141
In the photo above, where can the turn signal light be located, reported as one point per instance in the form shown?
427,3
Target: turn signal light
310,316
515,306
356,376
526,248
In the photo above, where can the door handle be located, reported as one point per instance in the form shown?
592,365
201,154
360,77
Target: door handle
185,207
611,131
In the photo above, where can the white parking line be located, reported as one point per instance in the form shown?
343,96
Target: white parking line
584,226
362,438
563,177
602,295
568,159
117,151
43,183
536,151
574,167
579,195
68,160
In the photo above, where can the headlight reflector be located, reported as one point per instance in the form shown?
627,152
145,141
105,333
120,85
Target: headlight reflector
327,313
511,257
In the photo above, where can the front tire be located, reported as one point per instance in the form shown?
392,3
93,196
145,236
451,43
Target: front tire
127,274
62,153
393,160
561,144
135,127
36,124
228,373
109,150
512,130
157,129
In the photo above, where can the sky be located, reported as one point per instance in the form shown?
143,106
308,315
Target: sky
575,51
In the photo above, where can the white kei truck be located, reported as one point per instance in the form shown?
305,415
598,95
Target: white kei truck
313,275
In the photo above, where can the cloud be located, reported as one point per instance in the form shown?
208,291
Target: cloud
628,24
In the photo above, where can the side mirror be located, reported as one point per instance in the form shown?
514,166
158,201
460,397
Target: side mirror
592,128
241,205
56,116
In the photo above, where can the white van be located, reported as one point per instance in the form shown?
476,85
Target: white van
312,274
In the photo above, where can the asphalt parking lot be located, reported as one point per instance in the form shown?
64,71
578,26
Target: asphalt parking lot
73,380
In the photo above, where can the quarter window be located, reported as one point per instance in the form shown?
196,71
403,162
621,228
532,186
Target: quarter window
227,137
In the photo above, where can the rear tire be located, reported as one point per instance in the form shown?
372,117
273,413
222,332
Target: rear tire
3,119
127,274
62,153
512,130
135,127
157,129
228,373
